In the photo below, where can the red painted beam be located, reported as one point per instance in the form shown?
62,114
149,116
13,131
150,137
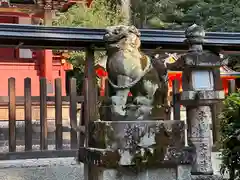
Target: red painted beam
14,14
45,57
70,3
47,64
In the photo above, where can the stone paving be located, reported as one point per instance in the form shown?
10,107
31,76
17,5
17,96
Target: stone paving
47,172
54,169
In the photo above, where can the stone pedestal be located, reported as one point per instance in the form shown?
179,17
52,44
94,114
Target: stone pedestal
139,150
126,173
158,174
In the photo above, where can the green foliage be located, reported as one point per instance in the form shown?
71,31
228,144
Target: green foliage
230,136
100,15
158,14
143,10
214,15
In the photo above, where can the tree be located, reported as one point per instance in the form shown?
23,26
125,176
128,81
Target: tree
230,136
82,16
214,15
145,10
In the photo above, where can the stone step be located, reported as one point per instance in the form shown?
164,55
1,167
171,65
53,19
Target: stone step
57,169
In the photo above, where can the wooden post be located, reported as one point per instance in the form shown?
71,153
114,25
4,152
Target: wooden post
215,134
82,123
106,87
73,111
58,113
231,86
47,55
28,114
175,96
43,114
12,114
48,17
90,109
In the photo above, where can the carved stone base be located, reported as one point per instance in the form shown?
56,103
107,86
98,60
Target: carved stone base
110,159
207,177
203,97
158,174
163,173
183,172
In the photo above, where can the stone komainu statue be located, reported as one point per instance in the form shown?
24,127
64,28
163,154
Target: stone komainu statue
129,70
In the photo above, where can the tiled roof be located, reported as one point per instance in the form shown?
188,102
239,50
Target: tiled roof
226,69
51,4
58,4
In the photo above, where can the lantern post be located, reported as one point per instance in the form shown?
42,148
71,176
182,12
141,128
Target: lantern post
202,88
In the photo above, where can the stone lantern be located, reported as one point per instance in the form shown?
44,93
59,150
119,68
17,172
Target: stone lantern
201,89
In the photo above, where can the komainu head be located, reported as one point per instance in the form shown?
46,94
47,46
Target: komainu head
122,35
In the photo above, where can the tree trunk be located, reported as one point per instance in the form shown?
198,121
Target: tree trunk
126,10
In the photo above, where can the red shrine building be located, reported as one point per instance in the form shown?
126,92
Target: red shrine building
21,63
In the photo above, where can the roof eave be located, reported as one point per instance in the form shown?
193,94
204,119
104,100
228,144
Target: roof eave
62,37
